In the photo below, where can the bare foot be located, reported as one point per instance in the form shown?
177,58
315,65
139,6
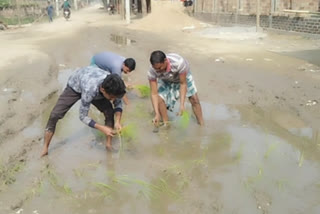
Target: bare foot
44,153
109,147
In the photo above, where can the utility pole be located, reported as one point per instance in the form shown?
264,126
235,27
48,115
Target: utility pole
19,10
57,7
128,11
75,4
258,15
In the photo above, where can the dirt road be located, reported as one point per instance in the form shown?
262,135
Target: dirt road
259,151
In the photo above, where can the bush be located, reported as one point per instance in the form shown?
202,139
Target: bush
4,4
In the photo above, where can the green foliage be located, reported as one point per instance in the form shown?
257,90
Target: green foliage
15,20
143,90
4,3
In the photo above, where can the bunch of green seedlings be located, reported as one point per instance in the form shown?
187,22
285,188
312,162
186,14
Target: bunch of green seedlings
54,181
143,90
8,173
184,120
150,190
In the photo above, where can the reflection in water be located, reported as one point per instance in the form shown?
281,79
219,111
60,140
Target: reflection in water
303,132
121,40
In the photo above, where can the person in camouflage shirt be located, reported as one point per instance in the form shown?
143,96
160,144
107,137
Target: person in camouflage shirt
95,86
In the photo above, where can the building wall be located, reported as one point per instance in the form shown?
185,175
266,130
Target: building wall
250,6
230,12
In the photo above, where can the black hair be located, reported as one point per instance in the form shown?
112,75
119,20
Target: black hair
114,85
130,63
157,57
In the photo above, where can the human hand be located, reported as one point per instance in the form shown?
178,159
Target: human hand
181,110
107,131
117,127
156,120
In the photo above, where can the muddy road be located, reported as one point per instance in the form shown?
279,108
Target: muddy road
258,153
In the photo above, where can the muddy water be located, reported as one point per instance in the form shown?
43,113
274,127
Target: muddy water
312,56
243,161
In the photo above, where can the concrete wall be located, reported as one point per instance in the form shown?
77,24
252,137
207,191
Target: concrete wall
273,14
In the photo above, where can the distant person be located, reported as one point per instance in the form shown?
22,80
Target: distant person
66,6
170,79
115,64
93,86
50,11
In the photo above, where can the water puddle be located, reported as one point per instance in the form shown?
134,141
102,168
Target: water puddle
121,40
312,56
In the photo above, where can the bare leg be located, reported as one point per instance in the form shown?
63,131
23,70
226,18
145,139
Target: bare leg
196,107
47,139
108,143
163,110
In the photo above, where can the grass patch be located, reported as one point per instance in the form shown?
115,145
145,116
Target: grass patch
15,20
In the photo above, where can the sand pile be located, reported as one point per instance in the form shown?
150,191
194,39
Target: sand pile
166,16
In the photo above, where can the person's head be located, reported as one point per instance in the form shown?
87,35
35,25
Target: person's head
158,61
49,2
113,87
129,65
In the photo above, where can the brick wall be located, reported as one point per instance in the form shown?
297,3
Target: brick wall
243,12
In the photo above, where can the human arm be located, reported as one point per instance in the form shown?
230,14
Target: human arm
183,91
154,100
125,99
83,115
118,114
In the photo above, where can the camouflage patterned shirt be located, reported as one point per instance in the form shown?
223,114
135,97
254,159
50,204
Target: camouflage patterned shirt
87,82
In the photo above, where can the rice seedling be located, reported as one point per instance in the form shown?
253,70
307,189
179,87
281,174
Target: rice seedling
67,189
54,181
251,180
93,165
270,149
36,189
281,184
78,172
239,153
184,120
143,90
148,190
7,174
129,132
301,159
105,189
